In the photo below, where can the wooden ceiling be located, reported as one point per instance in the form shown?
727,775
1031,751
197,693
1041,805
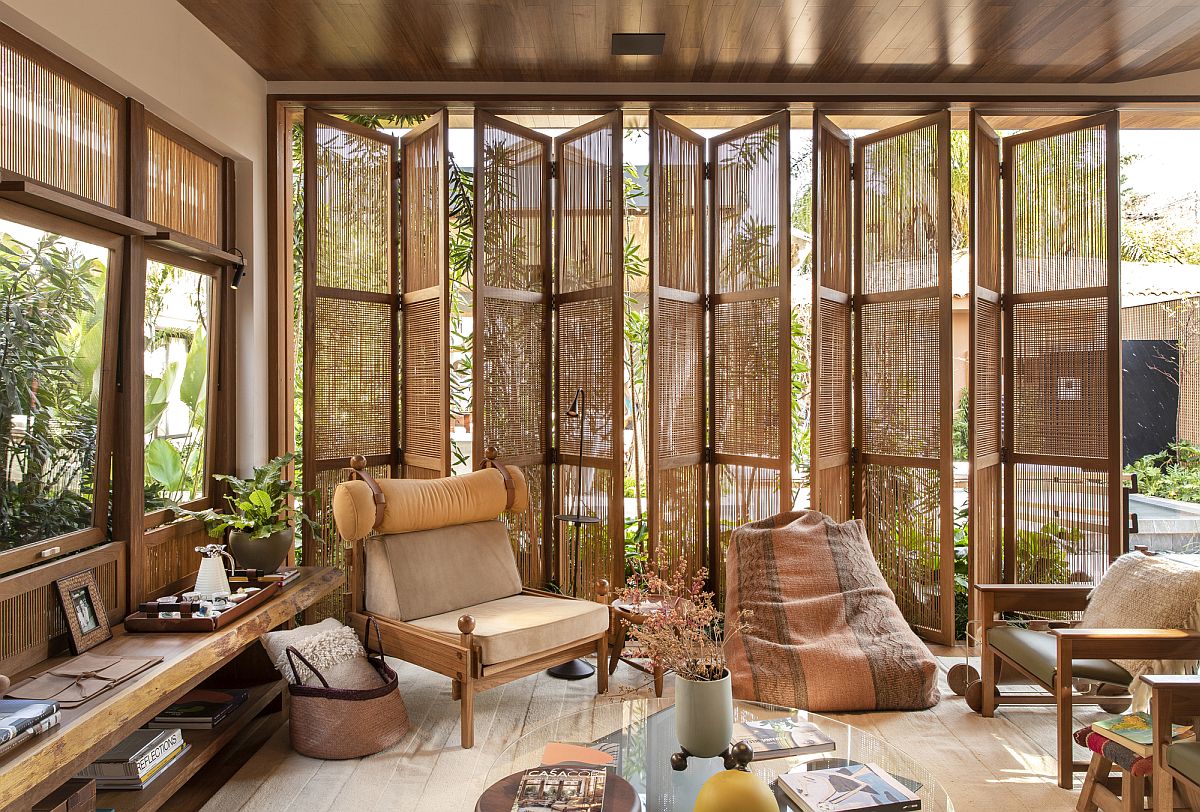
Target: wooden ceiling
711,40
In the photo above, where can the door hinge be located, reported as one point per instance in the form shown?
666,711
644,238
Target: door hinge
853,170
854,455
553,170
709,455
396,169
399,302
708,170
708,302
1001,166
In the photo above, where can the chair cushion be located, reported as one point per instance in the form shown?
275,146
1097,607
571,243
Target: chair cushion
427,572
1037,652
521,625
1185,757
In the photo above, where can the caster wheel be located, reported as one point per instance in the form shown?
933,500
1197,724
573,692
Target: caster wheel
960,677
974,695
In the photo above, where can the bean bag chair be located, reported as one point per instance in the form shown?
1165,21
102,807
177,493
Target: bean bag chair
826,633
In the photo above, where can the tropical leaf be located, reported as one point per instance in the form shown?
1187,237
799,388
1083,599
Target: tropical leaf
195,372
163,464
158,394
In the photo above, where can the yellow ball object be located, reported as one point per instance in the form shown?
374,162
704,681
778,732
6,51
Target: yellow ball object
735,791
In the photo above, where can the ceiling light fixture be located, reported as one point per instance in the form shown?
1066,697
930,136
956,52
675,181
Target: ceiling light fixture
638,44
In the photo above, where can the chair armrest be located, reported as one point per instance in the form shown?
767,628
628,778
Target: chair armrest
1132,644
1035,597
1173,682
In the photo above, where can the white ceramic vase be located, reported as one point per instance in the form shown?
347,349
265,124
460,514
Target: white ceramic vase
704,715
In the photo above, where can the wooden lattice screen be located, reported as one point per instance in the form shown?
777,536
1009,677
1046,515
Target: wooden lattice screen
750,330
832,444
589,308
350,326
678,357
1062,353
184,187
985,502
903,357
60,126
512,343
425,274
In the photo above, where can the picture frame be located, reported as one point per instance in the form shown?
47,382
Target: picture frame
83,607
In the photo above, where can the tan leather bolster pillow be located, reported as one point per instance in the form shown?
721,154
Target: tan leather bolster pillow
426,504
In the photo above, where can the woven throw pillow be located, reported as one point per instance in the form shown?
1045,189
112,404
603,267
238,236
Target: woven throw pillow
1147,592
333,649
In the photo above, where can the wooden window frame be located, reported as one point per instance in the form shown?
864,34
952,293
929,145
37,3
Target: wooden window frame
153,253
40,552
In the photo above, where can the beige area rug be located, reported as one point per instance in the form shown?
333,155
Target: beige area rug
991,765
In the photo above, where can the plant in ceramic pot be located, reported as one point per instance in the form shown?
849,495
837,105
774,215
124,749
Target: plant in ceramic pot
684,632
259,516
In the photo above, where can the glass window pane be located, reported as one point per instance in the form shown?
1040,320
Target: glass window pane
52,294
178,321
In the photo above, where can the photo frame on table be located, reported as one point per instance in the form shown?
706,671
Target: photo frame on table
83,606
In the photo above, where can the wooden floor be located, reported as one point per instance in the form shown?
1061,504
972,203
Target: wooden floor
991,765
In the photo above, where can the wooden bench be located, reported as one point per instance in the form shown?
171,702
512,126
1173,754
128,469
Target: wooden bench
228,657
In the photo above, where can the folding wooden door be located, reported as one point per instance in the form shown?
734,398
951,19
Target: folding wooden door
589,302
512,313
350,328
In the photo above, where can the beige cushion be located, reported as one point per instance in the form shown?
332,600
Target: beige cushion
352,673
424,504
521,625
1037,652
412,575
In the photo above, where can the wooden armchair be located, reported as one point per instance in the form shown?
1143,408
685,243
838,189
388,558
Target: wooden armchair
1054,659
431,563
1176,766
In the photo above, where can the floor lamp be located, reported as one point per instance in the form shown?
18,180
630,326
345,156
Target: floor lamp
576,669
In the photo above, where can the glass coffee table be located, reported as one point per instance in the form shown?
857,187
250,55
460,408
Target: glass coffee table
643,732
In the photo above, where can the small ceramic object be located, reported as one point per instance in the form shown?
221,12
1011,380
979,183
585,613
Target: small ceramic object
704,716
168,599
212,577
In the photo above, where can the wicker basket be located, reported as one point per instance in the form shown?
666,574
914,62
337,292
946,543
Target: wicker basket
339,723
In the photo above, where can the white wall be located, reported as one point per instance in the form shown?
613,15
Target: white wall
158,53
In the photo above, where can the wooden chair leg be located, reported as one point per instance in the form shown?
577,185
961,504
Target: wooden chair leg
1163,788
601,659
467,714
658,681
1063,692
1133,792
988,668
1097,770
455,690
618,646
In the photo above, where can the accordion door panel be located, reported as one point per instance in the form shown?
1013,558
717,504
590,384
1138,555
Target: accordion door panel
903,353
678,285
512,321
750,341
350,287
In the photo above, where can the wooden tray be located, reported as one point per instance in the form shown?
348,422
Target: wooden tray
139,622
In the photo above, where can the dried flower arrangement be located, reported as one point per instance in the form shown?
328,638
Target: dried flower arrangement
683,630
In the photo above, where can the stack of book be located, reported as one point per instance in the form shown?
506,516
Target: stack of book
1132,730
22,719
201,709
853,787
136,762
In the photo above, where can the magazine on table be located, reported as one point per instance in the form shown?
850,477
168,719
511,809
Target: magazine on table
782,737
580,789
19,715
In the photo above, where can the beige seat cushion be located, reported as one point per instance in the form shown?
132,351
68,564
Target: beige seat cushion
521,625
427,572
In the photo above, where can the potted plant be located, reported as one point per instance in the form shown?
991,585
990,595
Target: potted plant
260,533
683,631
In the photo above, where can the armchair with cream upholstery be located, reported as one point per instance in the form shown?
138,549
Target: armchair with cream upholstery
432,563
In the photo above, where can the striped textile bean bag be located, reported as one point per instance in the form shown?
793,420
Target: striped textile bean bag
825,632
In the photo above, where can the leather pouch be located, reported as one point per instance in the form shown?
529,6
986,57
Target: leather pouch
81,678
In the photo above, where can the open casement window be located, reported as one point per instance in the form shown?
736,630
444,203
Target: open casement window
678,352
1063,513
832,443
350,318
512,346
589,306
985,501
749,330
903,383
425,275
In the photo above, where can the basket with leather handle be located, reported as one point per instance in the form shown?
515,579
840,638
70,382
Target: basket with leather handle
340,723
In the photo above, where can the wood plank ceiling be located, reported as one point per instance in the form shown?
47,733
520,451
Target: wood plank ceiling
711,40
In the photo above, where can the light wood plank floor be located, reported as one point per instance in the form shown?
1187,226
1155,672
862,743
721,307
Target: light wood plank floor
991,765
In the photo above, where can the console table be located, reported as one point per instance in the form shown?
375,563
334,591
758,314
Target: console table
86,732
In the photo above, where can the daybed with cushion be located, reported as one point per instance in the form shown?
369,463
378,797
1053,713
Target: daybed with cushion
432,563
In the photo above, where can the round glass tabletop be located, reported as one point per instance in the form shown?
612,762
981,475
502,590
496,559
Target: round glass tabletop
640,733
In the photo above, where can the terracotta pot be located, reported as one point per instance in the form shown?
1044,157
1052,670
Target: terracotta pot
704,715
266,554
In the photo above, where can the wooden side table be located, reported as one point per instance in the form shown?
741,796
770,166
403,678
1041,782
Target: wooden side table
626,615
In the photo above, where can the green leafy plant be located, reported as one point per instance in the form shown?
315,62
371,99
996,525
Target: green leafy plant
260,506
961,425
1170,474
